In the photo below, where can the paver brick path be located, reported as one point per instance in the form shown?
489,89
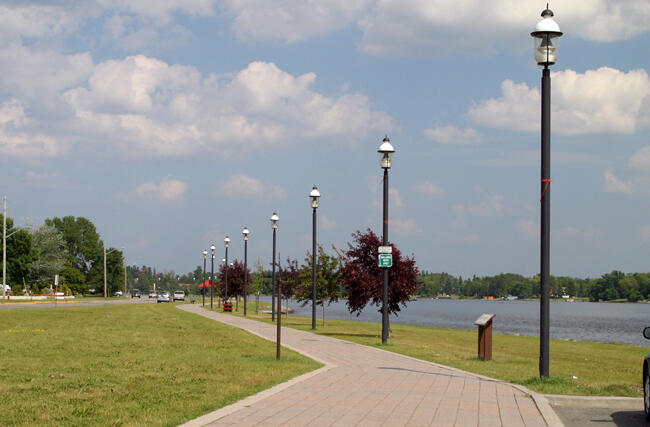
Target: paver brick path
365,386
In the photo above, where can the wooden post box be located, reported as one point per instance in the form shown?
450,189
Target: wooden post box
484,323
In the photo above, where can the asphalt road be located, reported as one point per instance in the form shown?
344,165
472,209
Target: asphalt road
599,411
84,302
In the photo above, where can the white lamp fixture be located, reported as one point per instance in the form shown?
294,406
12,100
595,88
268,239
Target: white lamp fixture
226,241
245,232
274,221
546,35
386,151
314,196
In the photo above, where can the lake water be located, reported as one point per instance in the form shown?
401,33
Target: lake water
580,321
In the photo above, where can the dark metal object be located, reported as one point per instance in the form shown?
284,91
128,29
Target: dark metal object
277,350
313,272
226,267
384,309
211,277
545,225
203,282
245,274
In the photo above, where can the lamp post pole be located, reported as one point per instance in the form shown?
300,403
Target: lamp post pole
212,277
226,242
314,196
274,226
104,271
545,35
4,247
245,232
386,151
205,256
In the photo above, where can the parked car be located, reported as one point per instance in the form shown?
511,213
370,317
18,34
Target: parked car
152,294
646,377
164,297
179,296
118,294
135,293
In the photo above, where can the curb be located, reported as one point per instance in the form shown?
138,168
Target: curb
247,401
617,402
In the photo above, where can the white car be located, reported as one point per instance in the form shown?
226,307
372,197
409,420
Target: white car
179,296
163,297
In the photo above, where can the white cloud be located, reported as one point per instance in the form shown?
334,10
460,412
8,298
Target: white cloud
430,189
242,186
490,206
528,229
645,233
327,223
640,160
591,233
19,137
144,105
532,158
613,184
38,73
291,20
582,103
169,190
435,27
454,135
405,227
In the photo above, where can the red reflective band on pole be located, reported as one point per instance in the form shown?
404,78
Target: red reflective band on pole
548,182
385,221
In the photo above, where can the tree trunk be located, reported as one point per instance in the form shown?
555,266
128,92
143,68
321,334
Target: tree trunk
236,302
257,303
323,303
287,316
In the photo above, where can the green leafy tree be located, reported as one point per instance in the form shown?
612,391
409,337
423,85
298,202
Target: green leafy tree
257,284
20,253
51,255
114,272
328,273
82,241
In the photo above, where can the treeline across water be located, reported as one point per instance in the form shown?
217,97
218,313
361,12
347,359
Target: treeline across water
609,287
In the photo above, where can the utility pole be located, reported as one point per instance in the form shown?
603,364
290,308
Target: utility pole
4,247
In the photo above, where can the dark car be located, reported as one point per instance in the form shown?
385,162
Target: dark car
135,293
646,377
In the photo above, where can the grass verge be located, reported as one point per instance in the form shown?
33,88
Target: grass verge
577,368
144,364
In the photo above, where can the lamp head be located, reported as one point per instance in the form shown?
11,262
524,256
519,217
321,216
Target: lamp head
314,196
226,241
274,221
546,35
245,232
386,152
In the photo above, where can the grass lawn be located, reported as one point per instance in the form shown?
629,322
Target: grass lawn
600,369
145,364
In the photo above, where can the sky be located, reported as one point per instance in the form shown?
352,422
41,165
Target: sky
171,124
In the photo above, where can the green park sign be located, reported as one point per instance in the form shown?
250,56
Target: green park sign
385,260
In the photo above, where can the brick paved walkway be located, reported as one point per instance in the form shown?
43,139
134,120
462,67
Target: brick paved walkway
365,386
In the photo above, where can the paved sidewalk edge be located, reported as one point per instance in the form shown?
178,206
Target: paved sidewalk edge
618,402
542,403
247,401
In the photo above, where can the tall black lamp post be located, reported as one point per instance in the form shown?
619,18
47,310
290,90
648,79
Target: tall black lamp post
386,152
546,36
226,243
245,232
212,248
205,257
274,226
314,196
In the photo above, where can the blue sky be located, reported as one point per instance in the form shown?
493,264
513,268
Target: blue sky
171,124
